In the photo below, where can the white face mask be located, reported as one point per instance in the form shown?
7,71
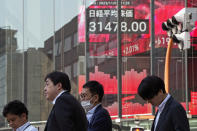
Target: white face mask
86,105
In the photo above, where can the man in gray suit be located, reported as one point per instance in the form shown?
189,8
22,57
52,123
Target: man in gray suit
67,113
171,115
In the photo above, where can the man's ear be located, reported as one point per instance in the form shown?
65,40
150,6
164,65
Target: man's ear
59,86
24,116
161,91
96,98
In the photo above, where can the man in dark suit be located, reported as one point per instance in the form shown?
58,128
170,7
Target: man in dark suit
171,115
67,114
91,98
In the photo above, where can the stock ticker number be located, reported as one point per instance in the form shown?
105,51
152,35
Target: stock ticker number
104,21
137,26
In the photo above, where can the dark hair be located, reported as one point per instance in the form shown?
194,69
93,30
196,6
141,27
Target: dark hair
15,107
59,77
150,87
95,88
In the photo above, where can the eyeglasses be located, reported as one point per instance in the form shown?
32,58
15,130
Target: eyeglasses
83,95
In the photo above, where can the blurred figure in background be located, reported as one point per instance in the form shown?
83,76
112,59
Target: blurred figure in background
16,114
171,115
67,114
91,98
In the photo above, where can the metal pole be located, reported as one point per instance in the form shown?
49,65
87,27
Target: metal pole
186,82
23,62
11,53
6,72
167,66
86,44
119,60
186,76
152,41
54,35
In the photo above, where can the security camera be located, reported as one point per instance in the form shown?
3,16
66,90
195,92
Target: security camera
182,39
170,23
165,27
186,17
178,17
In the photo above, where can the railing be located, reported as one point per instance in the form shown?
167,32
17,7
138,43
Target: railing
123,126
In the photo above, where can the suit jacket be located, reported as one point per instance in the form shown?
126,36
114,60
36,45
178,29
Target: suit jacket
66,115
101,120
172,118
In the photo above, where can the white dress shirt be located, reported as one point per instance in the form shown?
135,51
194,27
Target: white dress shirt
27,127
57,97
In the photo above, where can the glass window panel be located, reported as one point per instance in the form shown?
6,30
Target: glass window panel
75,69
75,37
56,48
67,44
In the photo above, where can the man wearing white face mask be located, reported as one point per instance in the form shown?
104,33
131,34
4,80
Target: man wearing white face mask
91,98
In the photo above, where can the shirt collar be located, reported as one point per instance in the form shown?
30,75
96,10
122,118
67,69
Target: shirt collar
21,128
57,97
162,105
93,109
90,113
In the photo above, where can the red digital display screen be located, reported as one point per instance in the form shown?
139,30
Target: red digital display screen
135,38
135,26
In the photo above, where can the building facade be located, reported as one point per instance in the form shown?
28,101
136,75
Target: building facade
22,77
